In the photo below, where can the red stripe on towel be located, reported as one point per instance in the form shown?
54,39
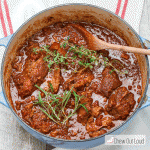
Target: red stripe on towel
8,17
124,9
2,20
118,7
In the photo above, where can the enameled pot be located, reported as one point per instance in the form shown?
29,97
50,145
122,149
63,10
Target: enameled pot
72,12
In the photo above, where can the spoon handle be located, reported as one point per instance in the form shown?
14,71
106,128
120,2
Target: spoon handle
102,44
95,43
129,49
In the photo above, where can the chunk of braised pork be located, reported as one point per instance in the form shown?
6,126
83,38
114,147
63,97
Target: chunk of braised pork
97,133
56,46
99,120
54,133
34,72
31,46
86,93
17,64
30,50
56,79
91,125
27,112
74,36
121,103
41,123
19,104
117,64
82,114
95,127
78,80
125,55
107,122
110,82
96,109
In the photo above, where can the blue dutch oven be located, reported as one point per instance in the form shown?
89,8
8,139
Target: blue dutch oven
72,12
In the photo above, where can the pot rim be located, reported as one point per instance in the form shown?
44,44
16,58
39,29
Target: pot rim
71,4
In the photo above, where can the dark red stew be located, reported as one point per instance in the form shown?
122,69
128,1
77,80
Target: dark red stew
61,88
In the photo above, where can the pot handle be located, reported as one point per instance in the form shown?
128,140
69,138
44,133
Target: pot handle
4,42
146,42
3,100
147,99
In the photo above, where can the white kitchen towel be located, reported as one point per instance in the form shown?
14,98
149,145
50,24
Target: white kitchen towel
14,13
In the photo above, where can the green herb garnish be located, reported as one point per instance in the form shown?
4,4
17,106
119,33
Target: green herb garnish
89,58
54,106
51,86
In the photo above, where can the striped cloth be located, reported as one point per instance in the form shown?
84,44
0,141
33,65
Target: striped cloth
13,13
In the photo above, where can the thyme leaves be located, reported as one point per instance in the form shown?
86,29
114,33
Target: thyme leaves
87,58
91,57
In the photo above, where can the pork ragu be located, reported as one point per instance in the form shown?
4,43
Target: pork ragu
62,89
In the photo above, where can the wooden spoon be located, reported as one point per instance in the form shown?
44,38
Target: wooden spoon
96,44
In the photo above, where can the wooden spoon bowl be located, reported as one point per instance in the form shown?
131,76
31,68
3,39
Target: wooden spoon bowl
95,43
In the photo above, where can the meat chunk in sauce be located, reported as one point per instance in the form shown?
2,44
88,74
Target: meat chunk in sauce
121,103
68,31
125,55
97,133
95,129
56,46
83,115
107,122
56,79
79,80
110,82
96,109
91,125
34,72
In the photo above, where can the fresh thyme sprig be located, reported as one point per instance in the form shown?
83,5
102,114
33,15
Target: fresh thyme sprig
53,57
93,57
54,106
87,58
